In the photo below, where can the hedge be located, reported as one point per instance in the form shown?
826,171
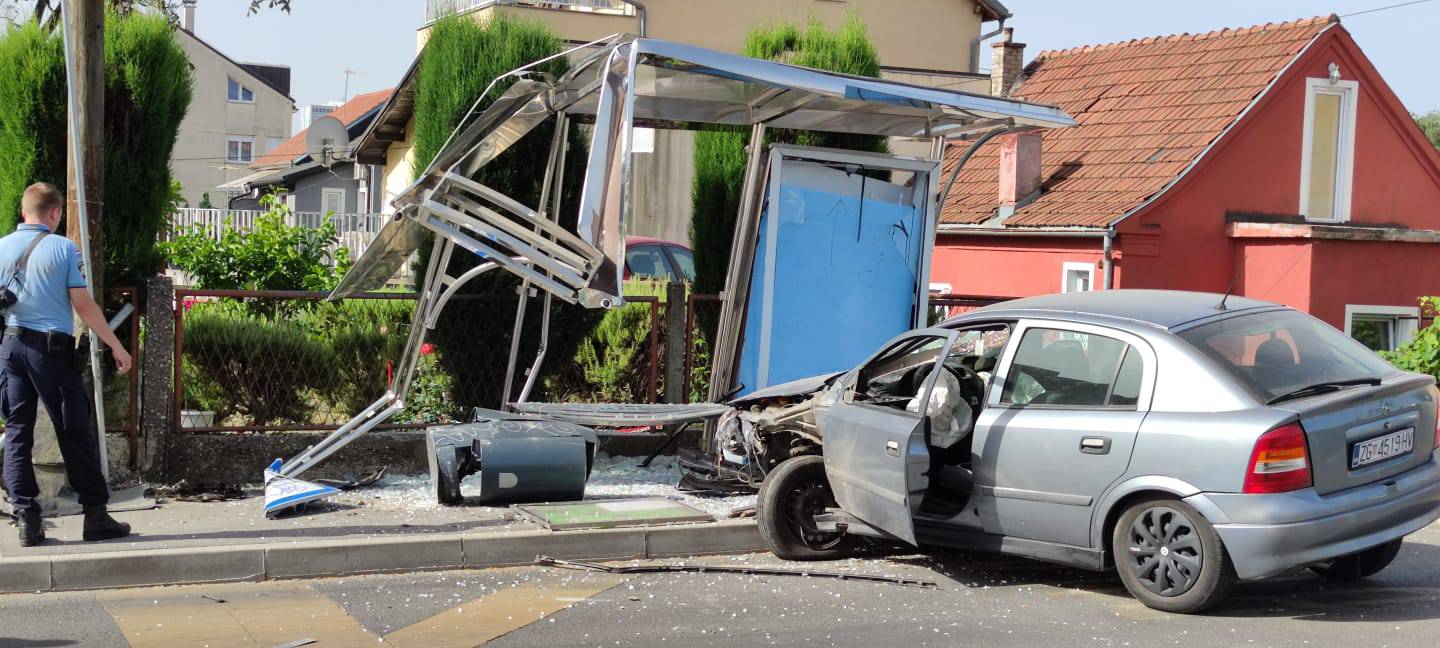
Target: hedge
720,155
148,83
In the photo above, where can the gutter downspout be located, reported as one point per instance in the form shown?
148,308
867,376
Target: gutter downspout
974,43
640,12
1109,281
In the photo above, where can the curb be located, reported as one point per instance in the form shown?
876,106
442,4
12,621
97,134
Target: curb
259,562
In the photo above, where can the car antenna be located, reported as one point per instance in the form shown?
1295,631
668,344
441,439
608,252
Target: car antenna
1231,288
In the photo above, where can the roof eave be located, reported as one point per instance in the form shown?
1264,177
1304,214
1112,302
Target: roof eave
993,10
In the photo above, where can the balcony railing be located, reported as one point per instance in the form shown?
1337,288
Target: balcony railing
434,9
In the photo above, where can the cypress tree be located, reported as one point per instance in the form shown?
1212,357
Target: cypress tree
720,155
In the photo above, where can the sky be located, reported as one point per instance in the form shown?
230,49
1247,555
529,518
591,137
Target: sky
321,39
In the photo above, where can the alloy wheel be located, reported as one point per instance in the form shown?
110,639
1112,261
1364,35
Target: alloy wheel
1165,551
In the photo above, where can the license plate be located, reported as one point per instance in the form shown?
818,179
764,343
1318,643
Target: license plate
1381,448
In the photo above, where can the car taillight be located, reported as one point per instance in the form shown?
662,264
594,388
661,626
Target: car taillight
1280,462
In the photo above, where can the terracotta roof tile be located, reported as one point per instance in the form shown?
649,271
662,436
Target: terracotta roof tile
347,113
1146,109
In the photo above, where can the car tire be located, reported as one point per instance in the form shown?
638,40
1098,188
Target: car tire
1170,557
793,491
1361,564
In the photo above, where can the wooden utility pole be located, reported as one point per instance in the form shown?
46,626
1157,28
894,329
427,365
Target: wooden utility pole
87,34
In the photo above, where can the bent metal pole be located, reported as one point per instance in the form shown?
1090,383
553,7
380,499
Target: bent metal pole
77,155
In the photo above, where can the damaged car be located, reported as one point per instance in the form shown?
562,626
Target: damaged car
1186,440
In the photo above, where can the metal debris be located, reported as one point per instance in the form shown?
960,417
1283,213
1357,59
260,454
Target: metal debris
548,561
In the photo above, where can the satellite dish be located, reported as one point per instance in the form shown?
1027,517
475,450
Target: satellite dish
327,140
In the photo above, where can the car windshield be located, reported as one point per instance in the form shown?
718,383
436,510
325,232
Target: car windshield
1275,353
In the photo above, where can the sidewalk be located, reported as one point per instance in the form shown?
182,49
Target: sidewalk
394,526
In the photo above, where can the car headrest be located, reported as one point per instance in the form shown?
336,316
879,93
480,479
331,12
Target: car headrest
1274,352
1066,358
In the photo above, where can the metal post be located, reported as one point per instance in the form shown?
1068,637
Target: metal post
676,310
86,112
547,185
562,128
733,295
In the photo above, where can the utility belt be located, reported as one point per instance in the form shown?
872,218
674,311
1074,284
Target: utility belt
53,340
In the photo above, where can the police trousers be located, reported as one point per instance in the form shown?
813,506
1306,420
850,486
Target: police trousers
39,368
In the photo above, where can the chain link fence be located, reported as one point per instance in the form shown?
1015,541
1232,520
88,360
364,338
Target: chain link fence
261,361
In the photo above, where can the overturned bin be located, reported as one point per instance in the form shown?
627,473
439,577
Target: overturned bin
520,458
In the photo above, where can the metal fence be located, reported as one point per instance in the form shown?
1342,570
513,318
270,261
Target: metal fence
261,361
947,306
258,361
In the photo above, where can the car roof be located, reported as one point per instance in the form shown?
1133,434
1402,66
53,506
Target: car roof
647,240
1166,309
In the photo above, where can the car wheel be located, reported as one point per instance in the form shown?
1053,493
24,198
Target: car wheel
1170,557
1361,564
790,498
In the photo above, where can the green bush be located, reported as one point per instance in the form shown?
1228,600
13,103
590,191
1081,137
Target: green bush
271,256
148,84
720,155
1421,354
247,365
367,337
32,115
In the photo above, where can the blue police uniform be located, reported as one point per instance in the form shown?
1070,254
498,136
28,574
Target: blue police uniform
37,358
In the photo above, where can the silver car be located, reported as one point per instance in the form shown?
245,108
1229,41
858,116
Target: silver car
1186,439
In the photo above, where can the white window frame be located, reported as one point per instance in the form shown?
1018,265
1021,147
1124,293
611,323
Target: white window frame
1407,320
243,90
244,139
1349,92
326,193
1079,266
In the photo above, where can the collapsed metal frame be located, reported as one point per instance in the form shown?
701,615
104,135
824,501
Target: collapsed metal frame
578,267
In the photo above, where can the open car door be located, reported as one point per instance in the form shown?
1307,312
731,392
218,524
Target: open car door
875,438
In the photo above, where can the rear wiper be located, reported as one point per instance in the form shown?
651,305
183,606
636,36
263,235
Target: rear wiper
1321,388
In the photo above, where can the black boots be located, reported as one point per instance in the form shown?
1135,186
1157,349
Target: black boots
32,531
100,526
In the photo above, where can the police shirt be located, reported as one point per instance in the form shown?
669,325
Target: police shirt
44,288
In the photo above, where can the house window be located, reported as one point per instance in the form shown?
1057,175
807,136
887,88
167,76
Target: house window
239,92
1328,152
240,149
1382,328
332,201
1077,277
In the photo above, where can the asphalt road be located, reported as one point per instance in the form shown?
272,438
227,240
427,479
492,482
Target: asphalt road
981,600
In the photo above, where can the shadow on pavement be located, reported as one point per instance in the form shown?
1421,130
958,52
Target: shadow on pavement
1408,590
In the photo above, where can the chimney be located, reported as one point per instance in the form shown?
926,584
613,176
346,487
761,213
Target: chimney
189,19
1019,170
1007,64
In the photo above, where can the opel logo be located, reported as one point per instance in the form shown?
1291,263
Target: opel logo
1384,407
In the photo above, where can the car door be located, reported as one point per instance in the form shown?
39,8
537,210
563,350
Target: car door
875,448
1061,428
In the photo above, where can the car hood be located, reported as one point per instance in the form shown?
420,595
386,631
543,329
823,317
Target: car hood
801,387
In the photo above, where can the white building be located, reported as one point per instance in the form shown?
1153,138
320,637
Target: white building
238,112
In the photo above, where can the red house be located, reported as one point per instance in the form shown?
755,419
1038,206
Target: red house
1271,158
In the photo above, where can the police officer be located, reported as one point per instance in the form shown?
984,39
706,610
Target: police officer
38,361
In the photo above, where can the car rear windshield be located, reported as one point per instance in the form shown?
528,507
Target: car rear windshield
1277,352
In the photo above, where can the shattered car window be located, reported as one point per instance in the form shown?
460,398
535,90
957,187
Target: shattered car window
899,375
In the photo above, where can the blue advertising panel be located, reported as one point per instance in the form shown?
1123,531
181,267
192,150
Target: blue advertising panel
836,272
